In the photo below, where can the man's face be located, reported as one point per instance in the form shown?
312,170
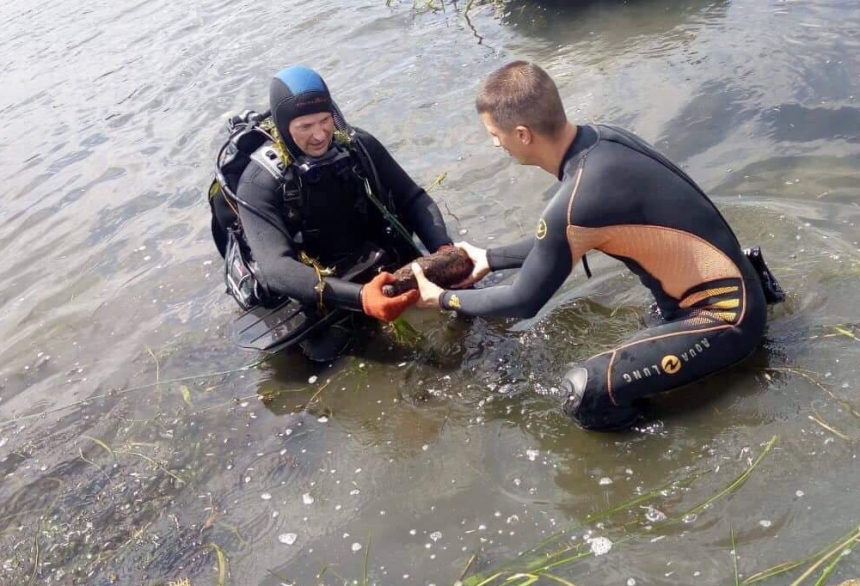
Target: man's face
516,141
312,133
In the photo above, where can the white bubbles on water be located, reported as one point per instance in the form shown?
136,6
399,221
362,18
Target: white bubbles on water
654,515
600,545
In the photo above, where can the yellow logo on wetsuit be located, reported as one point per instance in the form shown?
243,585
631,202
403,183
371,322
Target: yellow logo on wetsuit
540,233
671,364
454,301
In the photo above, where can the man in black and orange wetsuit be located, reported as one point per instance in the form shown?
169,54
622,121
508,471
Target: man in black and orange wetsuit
621,197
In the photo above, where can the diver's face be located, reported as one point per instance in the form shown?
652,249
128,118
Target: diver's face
312,133
516,142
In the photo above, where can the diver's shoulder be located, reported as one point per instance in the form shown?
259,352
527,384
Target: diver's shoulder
257,182
366,137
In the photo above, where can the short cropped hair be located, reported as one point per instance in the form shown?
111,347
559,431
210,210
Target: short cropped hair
521,93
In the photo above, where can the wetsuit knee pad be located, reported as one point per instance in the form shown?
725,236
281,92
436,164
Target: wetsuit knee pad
590,407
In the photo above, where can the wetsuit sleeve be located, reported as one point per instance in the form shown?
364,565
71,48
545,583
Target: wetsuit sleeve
545,269
272,246
511,256
411,201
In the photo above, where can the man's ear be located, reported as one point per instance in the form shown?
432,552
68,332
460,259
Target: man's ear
524,135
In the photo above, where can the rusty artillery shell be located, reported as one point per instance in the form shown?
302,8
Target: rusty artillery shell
445,268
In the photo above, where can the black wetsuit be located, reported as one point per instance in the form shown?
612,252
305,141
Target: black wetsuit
621,197
336,220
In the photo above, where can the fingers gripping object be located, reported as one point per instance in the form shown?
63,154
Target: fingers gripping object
445,267
384,308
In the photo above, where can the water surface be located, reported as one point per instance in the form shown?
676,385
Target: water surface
408,459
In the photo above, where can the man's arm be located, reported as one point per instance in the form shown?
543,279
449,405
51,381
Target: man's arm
416,206
511,256
273,248
545,269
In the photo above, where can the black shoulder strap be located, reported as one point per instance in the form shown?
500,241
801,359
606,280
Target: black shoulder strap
375,191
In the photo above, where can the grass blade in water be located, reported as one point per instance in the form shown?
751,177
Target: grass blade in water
738,482
735,556
791,565
822,579
222,563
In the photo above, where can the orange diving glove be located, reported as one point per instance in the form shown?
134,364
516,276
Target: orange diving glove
375,304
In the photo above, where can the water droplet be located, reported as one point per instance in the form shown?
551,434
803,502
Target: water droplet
436,536
307,499
689,517
288,538
631,581
532,454
266,496
605,481
312,379
655,515
356,547
799,493
765,523
323,419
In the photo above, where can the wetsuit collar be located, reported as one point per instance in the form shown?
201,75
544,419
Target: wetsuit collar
584,138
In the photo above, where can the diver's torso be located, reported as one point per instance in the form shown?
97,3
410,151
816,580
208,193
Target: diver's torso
628,201
327,213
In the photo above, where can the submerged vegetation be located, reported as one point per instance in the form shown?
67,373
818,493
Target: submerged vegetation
129,458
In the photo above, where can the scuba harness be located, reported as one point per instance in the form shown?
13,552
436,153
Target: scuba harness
253,137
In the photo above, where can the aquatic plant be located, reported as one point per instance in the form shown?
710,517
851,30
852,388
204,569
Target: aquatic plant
536,563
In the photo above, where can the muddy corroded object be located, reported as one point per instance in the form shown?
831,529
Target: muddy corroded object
445,268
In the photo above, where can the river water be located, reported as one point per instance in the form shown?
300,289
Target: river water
413,462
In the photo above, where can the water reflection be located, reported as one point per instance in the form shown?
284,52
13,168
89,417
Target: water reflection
620,24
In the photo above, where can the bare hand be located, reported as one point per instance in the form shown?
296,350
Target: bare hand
430,292
479,260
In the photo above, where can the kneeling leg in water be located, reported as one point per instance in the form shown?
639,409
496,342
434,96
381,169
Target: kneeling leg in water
609,391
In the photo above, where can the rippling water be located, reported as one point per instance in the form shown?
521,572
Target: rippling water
411,457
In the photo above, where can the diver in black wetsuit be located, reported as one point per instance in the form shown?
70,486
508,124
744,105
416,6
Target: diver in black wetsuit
621,197
313,211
